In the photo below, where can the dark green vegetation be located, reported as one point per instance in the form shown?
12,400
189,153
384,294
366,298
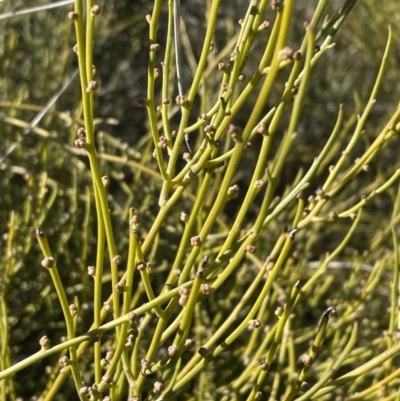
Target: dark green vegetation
133,269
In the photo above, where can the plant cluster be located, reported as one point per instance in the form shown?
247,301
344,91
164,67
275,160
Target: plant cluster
260,259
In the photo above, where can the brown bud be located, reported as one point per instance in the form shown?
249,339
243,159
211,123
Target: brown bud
80,143
48,262
195,241
141,266
259,184
307,360
95,10
73,16
107,380
73,309
250,248
173,350
64,361
92,86
286,53
106,180
154,47
82,132
44,343
117,259
142,102
92,271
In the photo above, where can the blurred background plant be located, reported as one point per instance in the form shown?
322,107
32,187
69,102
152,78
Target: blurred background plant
46,181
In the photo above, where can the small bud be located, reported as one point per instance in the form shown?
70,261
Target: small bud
95,10
264,25
332,215
221,67
141,266
307,360
187,156
104,363
64,361
158,387
48,262
108,306
73,16
275,5
85,390
44,343
250,248
304,386
80,143
73,309
262,129
154,47
241,77
203,351
270,266
184,291
183,300
184,217
297,55
132,317
129,345
117,259
163,144
259,184
106,180
189,343
177,272
264,366
233,191
92,86
286,53
107,380
145,363
75,49
173,350
224,87
166,101
148,18
210,129
279,311
120,287
142,102
195,241
206,289
255,323
81,132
